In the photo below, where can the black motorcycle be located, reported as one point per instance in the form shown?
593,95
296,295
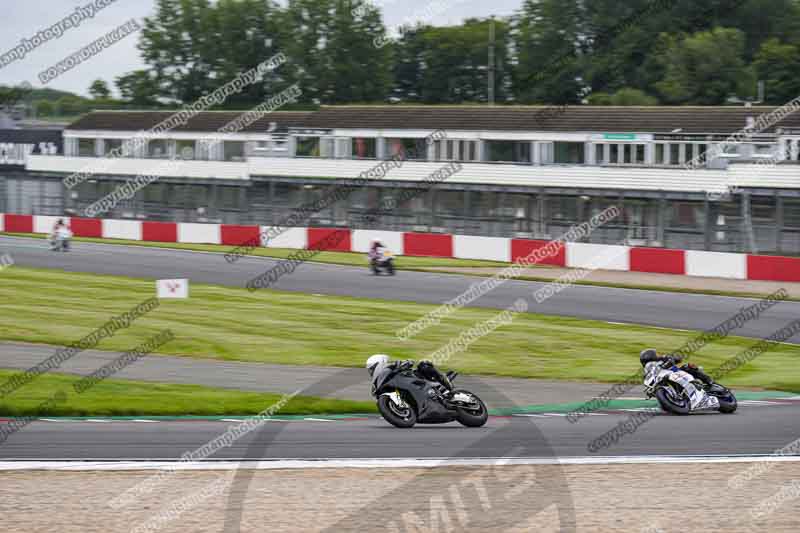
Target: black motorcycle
406,398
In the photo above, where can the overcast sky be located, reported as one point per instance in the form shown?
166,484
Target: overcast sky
24,18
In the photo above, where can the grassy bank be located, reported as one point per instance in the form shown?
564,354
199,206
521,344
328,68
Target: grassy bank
55,307
132,398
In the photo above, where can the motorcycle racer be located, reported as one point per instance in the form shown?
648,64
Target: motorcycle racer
650,355
425,369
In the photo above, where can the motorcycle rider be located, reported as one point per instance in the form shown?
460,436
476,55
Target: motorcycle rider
650,355
425,369
375,250
60,232
376,256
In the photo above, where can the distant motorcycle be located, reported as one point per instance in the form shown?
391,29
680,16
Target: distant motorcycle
406,398
678,392
60,241
382,262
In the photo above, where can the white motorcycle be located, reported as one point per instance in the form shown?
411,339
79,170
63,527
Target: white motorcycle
60,240
678,392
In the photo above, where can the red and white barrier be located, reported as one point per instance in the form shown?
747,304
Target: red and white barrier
573,255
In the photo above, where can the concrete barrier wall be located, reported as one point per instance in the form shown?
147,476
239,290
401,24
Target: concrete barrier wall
486,248
598,256
574,255
716,264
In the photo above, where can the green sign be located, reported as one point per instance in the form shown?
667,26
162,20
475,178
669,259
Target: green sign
620,136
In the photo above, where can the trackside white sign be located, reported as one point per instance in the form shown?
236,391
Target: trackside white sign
172,288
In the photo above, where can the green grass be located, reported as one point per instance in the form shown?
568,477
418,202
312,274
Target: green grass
130,398
335,258
55,307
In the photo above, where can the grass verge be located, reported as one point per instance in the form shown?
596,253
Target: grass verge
132,398
58,308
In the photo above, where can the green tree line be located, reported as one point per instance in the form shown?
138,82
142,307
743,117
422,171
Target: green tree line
609,52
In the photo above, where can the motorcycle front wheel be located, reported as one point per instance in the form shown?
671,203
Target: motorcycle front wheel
472,418
671,404
401,417
727,402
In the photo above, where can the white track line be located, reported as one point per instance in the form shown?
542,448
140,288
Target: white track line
282,464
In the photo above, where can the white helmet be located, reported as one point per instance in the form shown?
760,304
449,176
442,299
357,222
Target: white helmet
376,361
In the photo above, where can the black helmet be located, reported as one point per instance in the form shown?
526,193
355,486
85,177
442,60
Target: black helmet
648,356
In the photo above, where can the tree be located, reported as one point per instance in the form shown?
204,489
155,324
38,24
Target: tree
778,65
623,97
177,42
704,68
138,88
99,90
245,33
549,39
10,96
333,53
70,105
358,66
44,108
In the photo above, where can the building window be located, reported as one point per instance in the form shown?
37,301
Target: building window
364,148
233,150
639,154
113,145
86,148
157,149
614,156
308,147
569,153
674,154
455,150
185,149
409,148
509,151
598,154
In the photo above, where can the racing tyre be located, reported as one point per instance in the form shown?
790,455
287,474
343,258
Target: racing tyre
671,404
727,403
397,416
472,418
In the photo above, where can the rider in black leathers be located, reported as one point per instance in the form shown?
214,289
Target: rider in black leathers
650,355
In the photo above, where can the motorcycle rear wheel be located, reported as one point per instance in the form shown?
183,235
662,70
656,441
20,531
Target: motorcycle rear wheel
469,417
669,405
395,415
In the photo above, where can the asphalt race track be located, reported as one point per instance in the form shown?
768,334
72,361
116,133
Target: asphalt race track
653,308
754,429
757,428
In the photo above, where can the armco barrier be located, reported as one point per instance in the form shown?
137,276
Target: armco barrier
236,235
486,248
19,223
524,247
767,268
428,244
655,260
327,239
658,260
130,230
199,233
86,227
160,231
716,264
